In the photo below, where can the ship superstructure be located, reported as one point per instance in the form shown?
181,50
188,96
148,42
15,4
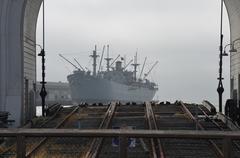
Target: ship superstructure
115,84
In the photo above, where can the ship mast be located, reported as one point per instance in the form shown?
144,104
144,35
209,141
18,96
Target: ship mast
135,65
94,56
108,59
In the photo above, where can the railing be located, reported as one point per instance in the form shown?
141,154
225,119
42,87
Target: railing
123,135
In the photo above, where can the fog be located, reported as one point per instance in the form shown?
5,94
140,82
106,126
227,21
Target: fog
182,35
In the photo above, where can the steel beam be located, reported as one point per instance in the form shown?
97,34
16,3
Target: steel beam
123,144
21,146
21,135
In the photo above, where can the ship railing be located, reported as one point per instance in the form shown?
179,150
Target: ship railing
123,135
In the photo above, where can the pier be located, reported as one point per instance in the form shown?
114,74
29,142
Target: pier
126,130
119,130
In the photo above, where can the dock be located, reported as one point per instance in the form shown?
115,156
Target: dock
165,130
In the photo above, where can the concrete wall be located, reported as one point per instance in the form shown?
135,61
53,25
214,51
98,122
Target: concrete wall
233,8
29,60
11,57
18,57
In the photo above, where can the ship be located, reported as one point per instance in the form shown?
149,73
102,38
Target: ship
116,83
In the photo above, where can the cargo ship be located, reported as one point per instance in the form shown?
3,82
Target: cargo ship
116,83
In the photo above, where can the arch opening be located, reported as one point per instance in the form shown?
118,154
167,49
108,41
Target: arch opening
163,30
18,55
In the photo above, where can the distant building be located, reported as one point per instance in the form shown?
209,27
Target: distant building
57,92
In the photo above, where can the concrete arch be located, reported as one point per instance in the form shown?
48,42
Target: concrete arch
18,20
233,9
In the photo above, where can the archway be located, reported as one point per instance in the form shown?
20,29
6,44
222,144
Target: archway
18,59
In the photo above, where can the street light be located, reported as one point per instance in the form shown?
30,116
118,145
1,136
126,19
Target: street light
233,49
43,92
224,52
220,88
39,46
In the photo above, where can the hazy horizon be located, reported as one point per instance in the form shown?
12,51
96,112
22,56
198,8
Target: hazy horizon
182,36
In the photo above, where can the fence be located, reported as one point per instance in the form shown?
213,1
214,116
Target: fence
123,134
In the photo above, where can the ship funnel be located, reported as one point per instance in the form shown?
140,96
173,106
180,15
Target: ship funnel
119,66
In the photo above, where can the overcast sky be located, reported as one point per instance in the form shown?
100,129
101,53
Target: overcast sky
182,35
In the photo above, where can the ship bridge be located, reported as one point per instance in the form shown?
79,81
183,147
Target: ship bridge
18,19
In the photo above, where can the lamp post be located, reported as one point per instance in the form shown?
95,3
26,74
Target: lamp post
224,50
233,49
43,92
220,88
223,53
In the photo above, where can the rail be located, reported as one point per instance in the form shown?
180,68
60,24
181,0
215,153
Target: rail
53,109
156,145
216,149
96,143
210,107
123,134
218,126
43,140
29,125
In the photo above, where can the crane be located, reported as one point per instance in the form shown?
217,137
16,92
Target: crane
143,67
69,62
78,64
114,60
146,74
128,64
101,59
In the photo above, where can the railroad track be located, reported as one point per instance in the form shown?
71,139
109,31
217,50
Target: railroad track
130,117
11,150
59,123
218,125
166,117
213,144
32,144
207,122
178,116
96,143
174,117
156,145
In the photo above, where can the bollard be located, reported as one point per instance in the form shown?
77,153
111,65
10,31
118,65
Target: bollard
123,144
21,146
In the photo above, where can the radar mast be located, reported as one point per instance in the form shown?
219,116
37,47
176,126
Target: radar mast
135,65
94,56
108,59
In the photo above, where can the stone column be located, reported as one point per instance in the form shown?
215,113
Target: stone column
233,9
17,49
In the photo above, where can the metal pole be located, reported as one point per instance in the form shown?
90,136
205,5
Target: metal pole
123,145
43,92
43,24
196,116
227,147
21,146
220,88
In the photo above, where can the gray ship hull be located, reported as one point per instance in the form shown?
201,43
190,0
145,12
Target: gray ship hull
95,90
